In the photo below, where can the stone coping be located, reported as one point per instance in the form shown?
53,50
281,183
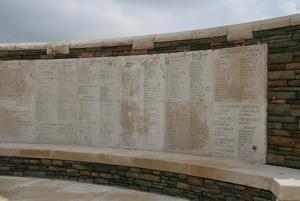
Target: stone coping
234,33
283,182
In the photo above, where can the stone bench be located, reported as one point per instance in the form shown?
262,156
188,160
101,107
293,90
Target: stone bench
284,183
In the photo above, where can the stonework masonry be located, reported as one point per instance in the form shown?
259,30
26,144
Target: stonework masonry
282,36
154,181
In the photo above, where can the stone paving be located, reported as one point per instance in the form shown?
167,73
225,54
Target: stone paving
32,189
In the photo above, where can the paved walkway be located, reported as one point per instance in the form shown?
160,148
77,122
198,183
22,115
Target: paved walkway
33,189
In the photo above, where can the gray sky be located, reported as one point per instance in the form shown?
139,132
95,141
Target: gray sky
60,20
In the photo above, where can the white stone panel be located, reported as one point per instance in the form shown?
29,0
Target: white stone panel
17,109
56,102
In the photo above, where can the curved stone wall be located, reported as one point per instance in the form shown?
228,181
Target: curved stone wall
281,36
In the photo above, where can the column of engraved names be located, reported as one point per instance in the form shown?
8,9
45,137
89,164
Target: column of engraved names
249,119
24,88
252,79
16,101
109,101
131,102
153,97
177,98
66,99
222,77
88,86
45,97
200,102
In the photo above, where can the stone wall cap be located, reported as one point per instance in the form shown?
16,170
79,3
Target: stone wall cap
240,31
272,23
165,37
58,47
210,32
7,46
295,20
31,46
117,41
86,43
143,42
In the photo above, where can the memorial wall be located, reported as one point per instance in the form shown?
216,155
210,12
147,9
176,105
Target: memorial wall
211,102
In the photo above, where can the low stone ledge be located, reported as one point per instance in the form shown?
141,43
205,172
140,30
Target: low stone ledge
283,182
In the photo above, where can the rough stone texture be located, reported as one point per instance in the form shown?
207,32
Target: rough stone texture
272,23
58,48
282,109
179,185
144,42
240,31
281,57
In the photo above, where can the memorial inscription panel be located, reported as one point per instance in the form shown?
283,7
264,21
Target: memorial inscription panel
203,102
17,108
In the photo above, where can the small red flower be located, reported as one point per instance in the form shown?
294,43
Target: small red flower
254,148
213,48
284,69
129,53
115,55
91,55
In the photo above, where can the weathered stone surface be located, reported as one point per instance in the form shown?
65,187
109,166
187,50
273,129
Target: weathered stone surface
46,162
143,182
284,141
183,186
294,83
185,35
281,57
293,164
282,95
86,43
295,112
107,176
281,75
213,39
72,172
296,152
195,181
132,175
280,132
292,66
150,177
276,67
211,32
117,41
48,56
57,162
58,48
143,42
272,23
274,125
290,126
240,31
101,168
277,83
173,191
282,109
284,44
29,173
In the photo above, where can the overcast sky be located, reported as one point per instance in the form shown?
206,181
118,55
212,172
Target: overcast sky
60,20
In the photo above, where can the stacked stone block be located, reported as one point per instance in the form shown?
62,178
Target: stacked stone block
154,181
